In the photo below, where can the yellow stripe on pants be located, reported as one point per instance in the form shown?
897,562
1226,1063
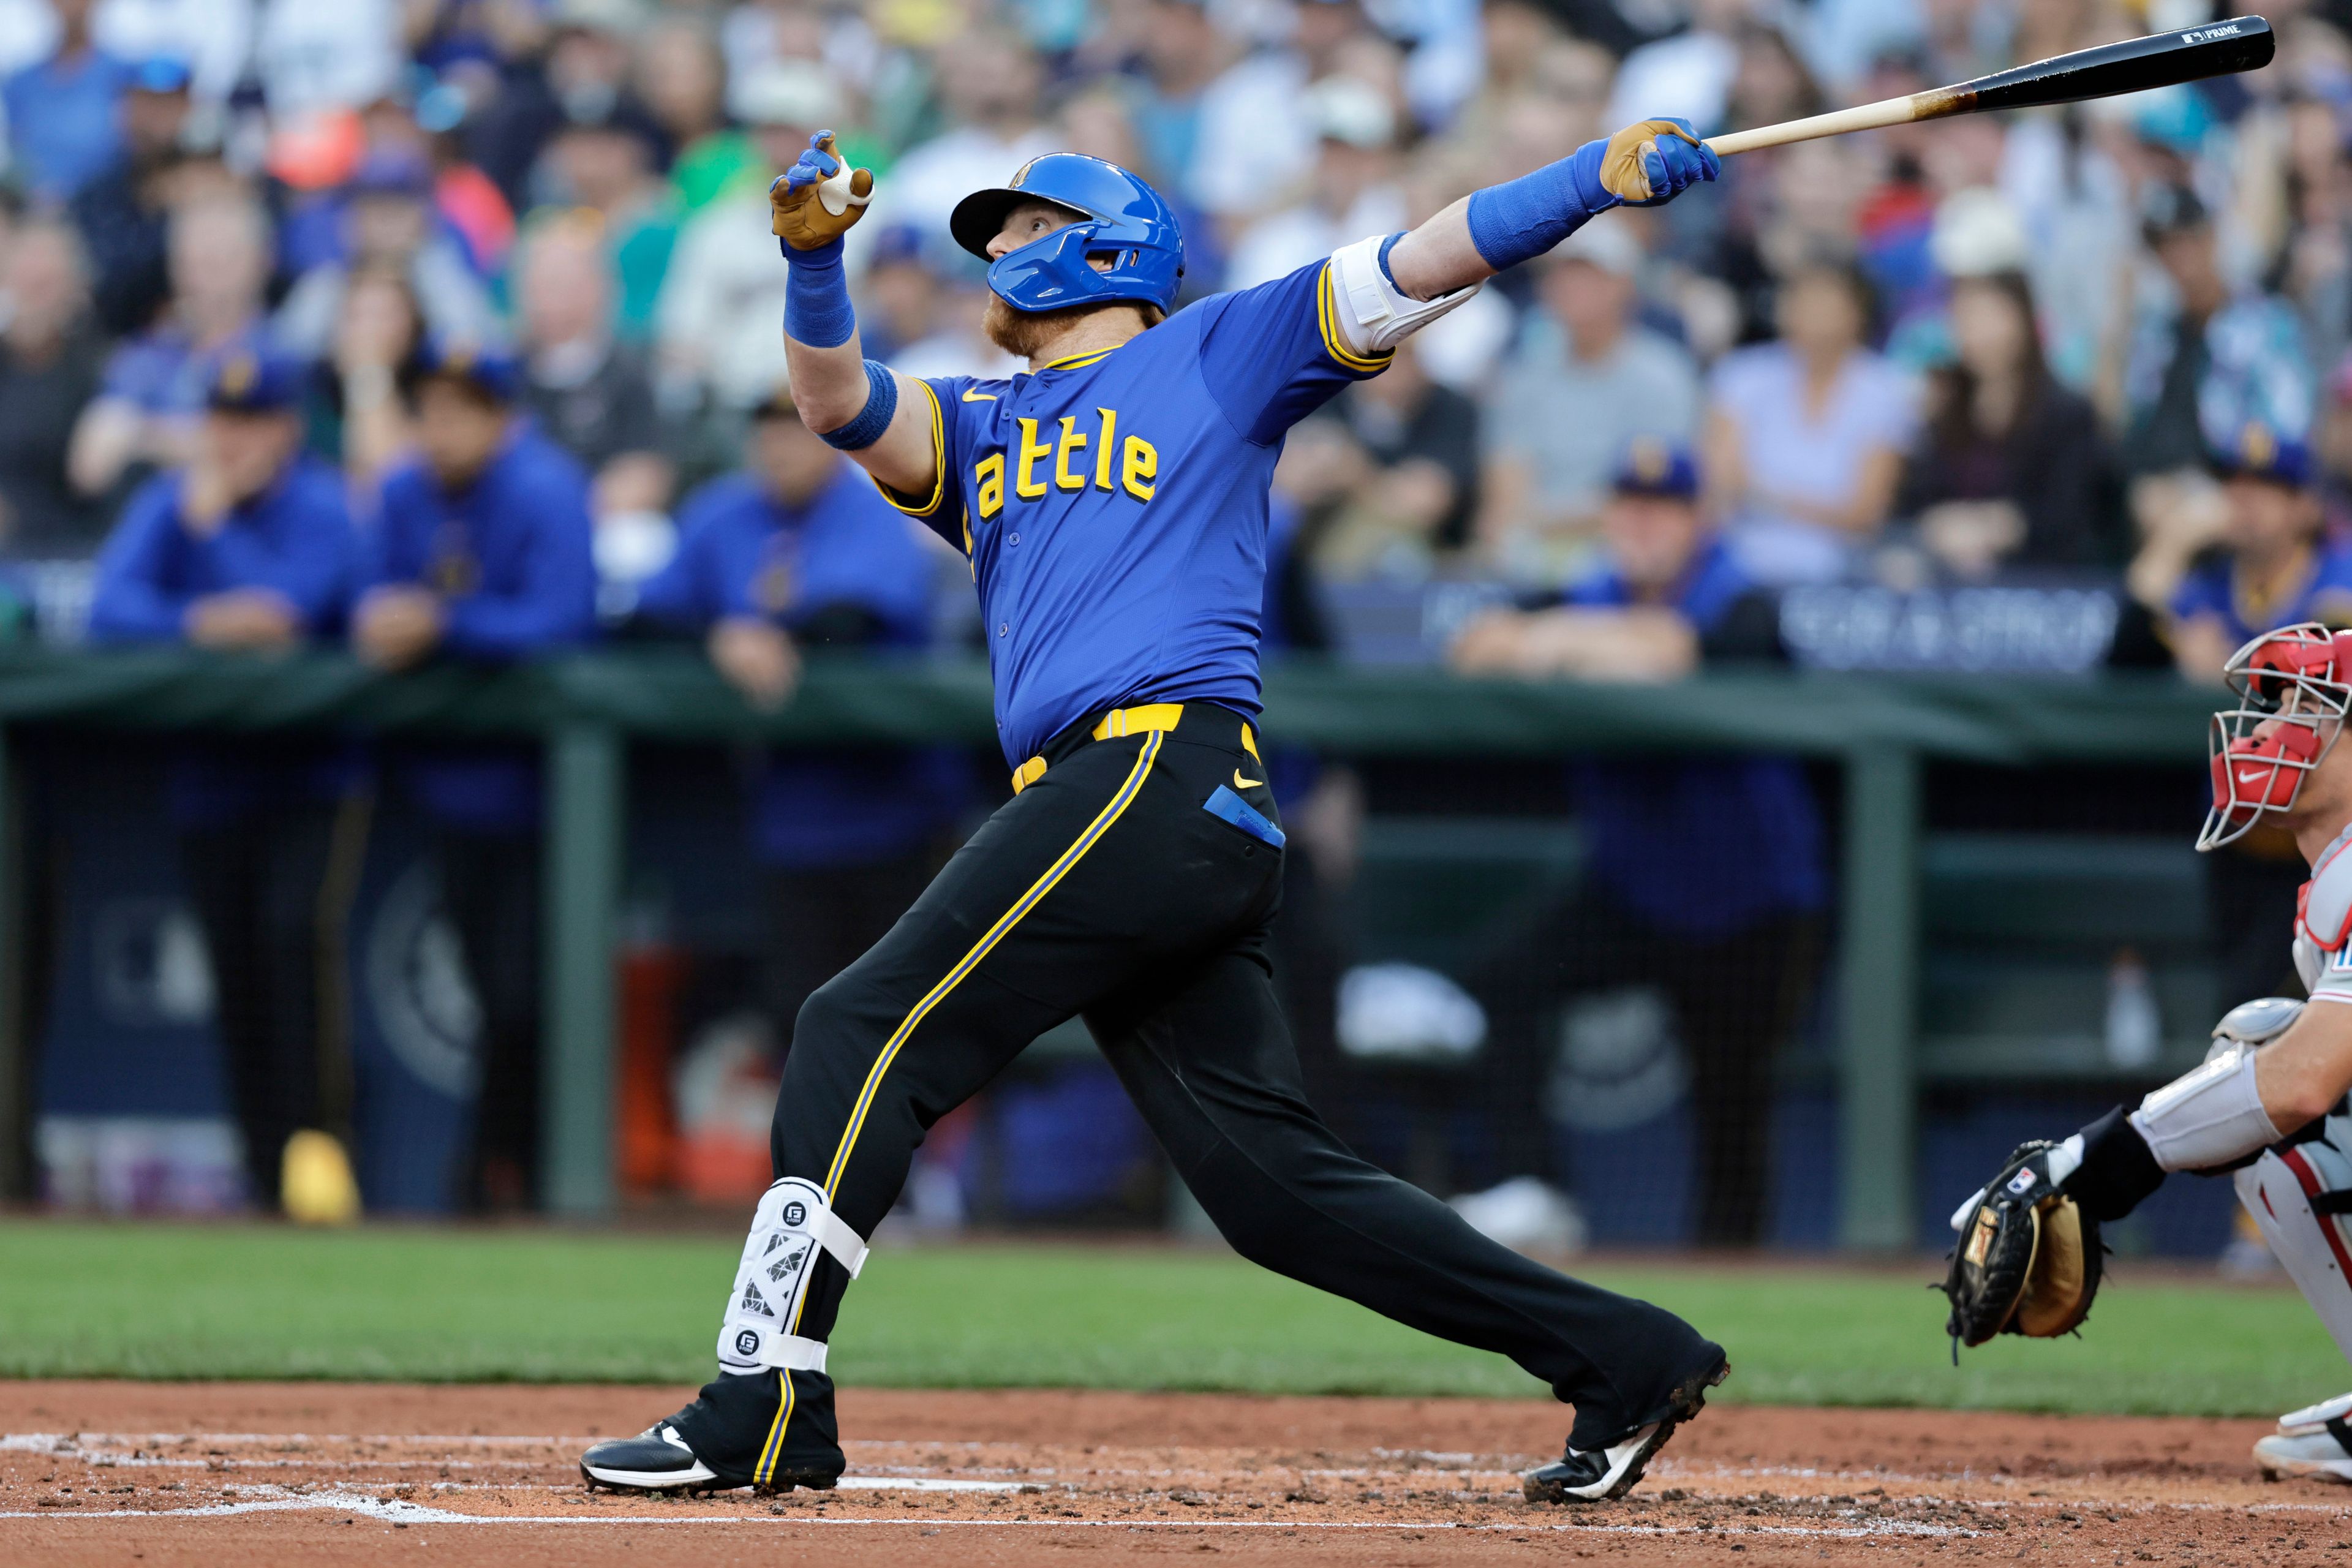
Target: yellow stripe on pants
980,949
771,1451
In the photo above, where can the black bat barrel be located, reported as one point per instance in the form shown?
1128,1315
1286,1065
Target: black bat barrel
2160,60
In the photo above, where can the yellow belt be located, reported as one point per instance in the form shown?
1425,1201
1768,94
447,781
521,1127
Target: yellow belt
1137,721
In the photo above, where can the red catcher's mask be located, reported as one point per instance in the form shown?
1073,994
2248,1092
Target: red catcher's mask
2294,691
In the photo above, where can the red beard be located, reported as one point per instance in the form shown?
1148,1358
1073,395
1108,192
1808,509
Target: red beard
1024,333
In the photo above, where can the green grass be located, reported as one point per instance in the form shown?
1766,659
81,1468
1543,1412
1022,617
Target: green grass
153,1301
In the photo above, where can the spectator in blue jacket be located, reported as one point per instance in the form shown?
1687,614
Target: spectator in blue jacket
2273,566
798,550
481,553
1703,875
249,547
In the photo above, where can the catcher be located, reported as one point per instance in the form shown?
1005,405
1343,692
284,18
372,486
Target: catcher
2269,1104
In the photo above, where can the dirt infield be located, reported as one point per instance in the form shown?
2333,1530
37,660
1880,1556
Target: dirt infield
115,1473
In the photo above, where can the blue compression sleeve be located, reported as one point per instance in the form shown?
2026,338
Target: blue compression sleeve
1522,218
817,296
881,402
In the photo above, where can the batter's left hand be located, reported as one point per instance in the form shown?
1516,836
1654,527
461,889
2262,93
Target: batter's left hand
808,204
1655,161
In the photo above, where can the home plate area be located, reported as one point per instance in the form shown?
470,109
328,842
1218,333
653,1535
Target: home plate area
117,1472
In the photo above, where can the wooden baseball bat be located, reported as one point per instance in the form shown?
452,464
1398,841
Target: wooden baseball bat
2160,60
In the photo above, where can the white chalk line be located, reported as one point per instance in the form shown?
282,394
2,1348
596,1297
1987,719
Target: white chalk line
103,1447
84,1446
408,1513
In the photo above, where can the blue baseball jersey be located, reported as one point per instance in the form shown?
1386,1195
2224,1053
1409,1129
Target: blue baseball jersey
1700,845
510,554
294,539
742,552
2319,589
1114,504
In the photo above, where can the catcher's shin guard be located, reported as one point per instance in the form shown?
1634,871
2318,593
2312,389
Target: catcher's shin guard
2299,1191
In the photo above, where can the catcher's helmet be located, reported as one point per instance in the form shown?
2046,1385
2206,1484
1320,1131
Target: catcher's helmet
2294,691
1124,221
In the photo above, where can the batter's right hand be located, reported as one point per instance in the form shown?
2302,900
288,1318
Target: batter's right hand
1654,161
809,206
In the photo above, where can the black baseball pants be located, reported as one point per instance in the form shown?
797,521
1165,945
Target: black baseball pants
1105,889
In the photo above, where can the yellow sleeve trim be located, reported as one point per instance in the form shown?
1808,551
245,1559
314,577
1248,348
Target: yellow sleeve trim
1326,316
939,464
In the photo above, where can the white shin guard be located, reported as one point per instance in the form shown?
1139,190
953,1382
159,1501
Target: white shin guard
2295,1193
763,1310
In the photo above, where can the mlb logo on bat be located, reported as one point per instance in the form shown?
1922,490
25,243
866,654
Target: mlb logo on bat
2020,1181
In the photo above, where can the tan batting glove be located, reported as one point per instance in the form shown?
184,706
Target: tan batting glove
812,203
1642,167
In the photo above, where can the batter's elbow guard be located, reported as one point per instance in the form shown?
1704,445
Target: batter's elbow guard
1376,315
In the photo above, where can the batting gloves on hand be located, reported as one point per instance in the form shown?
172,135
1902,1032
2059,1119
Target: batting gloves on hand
1655,161
804,211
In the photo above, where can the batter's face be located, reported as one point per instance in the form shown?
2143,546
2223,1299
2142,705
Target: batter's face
1033,221
1025,334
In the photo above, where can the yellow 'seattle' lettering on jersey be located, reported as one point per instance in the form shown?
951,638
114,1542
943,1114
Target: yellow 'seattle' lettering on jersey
1114,504
1137,462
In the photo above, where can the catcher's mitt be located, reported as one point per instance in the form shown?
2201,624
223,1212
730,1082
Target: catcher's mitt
2028,1258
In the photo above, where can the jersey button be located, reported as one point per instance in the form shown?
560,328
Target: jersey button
1003,628
1013,539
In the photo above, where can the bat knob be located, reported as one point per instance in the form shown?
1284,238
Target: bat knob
833,193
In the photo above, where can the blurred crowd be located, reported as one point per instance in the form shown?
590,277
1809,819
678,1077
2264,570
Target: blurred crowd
453,326
1939,352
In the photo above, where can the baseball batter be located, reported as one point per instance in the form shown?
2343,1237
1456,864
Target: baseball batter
1113,505
2268,1105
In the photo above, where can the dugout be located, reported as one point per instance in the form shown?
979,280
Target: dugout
1951,970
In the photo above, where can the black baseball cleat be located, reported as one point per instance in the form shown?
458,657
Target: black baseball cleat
656,1460
1597,1475
730,1436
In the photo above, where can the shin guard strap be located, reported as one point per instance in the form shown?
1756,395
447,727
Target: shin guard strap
790,1352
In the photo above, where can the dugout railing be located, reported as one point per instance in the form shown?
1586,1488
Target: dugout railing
1880,733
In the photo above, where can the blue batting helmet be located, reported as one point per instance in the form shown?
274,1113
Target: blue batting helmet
1123,220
